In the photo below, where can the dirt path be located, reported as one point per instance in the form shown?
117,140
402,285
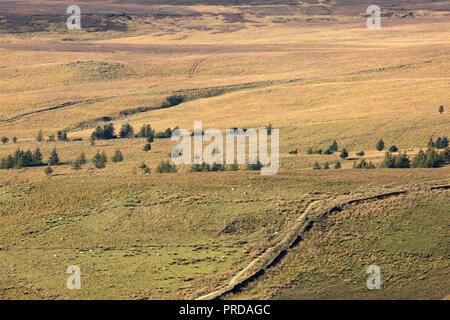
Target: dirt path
285,244
294,230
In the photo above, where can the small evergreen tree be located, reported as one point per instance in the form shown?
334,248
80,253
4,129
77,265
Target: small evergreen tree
37,157
316,166
310,151
445,155
337,165
393,149
269,129
117,157
76,165
54,158
380,145
217,167
441,143
255,166
363,164
15,139
344,153
62,135
40,136
79,162
402,161
82,158
48,171
326,166
166,167
361,153
99,160
430,143
389,161
147,147
419,160
334,146
25,159
143,165
441,109
432,159
147,132
5,140
126,131
108,131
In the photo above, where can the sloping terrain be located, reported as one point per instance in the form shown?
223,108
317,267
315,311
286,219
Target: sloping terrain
406,236
309,68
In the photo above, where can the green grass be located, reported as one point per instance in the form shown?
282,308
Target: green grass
406,236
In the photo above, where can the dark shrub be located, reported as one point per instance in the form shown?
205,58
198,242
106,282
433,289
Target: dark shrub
147,147
166,167
393,149
126,131
334,146
54,158
380,145
117,157
344,154
100,160
441,143
254,166
105,133
174,100
363,165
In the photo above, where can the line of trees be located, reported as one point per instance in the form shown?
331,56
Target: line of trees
22,159
107,132
61,135
441,143
215,167
326,165
428,159
99,159
6,139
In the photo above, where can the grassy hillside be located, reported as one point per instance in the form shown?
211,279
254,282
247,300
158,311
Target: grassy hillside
405,236
309,68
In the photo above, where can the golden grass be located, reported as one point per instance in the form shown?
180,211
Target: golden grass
316,82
